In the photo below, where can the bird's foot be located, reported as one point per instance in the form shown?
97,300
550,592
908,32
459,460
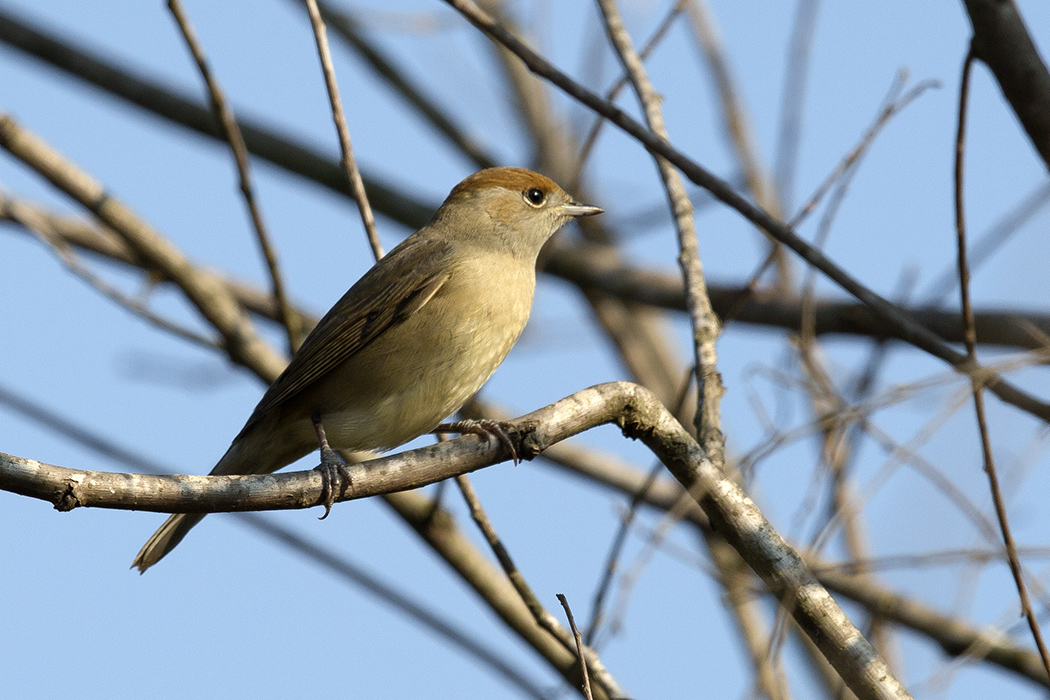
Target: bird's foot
333,470
486,428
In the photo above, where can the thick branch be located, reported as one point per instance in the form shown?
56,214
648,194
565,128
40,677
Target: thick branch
1001,41
632,407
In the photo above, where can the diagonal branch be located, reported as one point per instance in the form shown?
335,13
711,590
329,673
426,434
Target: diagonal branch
349,163
348,28
204,290
437,528
543,617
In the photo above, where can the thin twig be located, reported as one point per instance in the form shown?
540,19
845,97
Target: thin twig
542,616
585,684
228,123
353,175
738,130
599,121
990,242
892,107
345,25
977,382
40,227
620,539
438,529
796,78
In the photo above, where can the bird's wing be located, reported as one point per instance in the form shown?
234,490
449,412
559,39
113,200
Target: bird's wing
384,298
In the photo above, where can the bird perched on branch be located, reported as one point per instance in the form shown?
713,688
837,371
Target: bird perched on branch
410,342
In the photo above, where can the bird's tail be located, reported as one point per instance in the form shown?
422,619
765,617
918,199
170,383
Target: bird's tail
249,454
175,528
164,539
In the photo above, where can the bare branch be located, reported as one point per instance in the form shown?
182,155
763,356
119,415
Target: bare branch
638,413
970,334
205,291
705,325
346,26
586,683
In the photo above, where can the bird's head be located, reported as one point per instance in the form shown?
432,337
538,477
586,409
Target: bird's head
508,206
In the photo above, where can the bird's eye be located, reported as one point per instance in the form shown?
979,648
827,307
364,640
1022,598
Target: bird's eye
535,196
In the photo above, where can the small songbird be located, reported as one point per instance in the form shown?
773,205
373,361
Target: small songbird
411,341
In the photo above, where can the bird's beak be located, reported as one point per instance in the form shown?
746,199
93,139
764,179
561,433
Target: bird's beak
574,208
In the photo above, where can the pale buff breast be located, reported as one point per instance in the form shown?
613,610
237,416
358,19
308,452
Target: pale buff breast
420,372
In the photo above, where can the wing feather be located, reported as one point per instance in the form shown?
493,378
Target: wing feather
384,298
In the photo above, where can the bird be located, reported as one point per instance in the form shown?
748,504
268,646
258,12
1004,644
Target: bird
410,342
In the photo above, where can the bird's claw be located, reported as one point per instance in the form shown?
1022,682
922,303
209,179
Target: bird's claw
486,428
332,469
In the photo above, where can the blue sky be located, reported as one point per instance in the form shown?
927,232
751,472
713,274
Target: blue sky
231,614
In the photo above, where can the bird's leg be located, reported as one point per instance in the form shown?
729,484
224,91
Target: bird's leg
484,427
331,468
